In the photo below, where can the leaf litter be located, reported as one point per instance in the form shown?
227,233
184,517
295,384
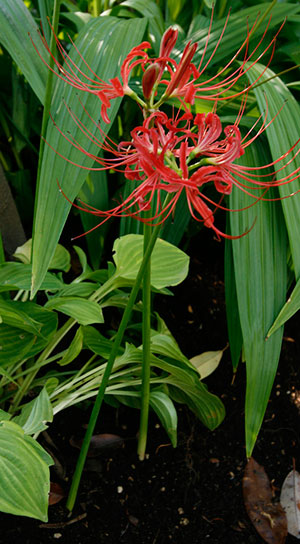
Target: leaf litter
290,501
267,516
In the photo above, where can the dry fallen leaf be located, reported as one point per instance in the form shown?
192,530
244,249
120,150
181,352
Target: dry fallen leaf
267,517
56,493
290,502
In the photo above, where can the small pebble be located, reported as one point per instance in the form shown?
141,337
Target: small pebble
120,489
57,535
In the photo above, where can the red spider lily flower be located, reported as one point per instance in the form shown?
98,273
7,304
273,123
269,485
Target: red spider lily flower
182,155
182,79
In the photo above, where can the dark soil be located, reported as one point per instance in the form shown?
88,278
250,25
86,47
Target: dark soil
192,493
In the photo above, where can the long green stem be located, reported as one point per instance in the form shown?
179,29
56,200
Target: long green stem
118,339
146,368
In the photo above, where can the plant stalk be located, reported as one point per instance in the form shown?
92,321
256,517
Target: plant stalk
118,339
146,366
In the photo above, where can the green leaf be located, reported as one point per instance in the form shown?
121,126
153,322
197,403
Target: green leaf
34,414
282,134
97,343
232,313
14,276
15,23
103,43
61,259
166,411
4,416
95,193
84,311
150,10
12,314
207,362
169,265
16,344
291,306
164,344
260,267
24,475
74,349
236,31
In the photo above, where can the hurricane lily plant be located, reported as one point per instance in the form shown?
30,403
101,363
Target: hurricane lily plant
172,154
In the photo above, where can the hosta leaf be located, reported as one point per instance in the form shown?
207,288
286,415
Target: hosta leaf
14,314
35,413
24,473
290,501
16,22
14,276
14,344
103,43
163,344
84,311
74,349
261,276
169,265
166,411
207,362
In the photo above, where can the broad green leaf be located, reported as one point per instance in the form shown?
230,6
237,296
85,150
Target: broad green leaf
282,134
34,414
84,311
207,362
14,314
95,193
17,344
236,31
169,265
48,321
4,416
14,344
61,259
103,43
150,9
24,475
97,343
82,289
14,276
163,344
166,411
207,407
291,306
232,311
74,349
15,23
260,267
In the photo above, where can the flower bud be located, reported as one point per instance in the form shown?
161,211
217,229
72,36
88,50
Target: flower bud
167,42
149,78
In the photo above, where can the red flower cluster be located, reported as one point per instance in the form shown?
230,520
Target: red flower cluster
181,155
181,79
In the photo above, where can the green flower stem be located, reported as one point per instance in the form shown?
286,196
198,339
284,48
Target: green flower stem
118,339
146,366
96,7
